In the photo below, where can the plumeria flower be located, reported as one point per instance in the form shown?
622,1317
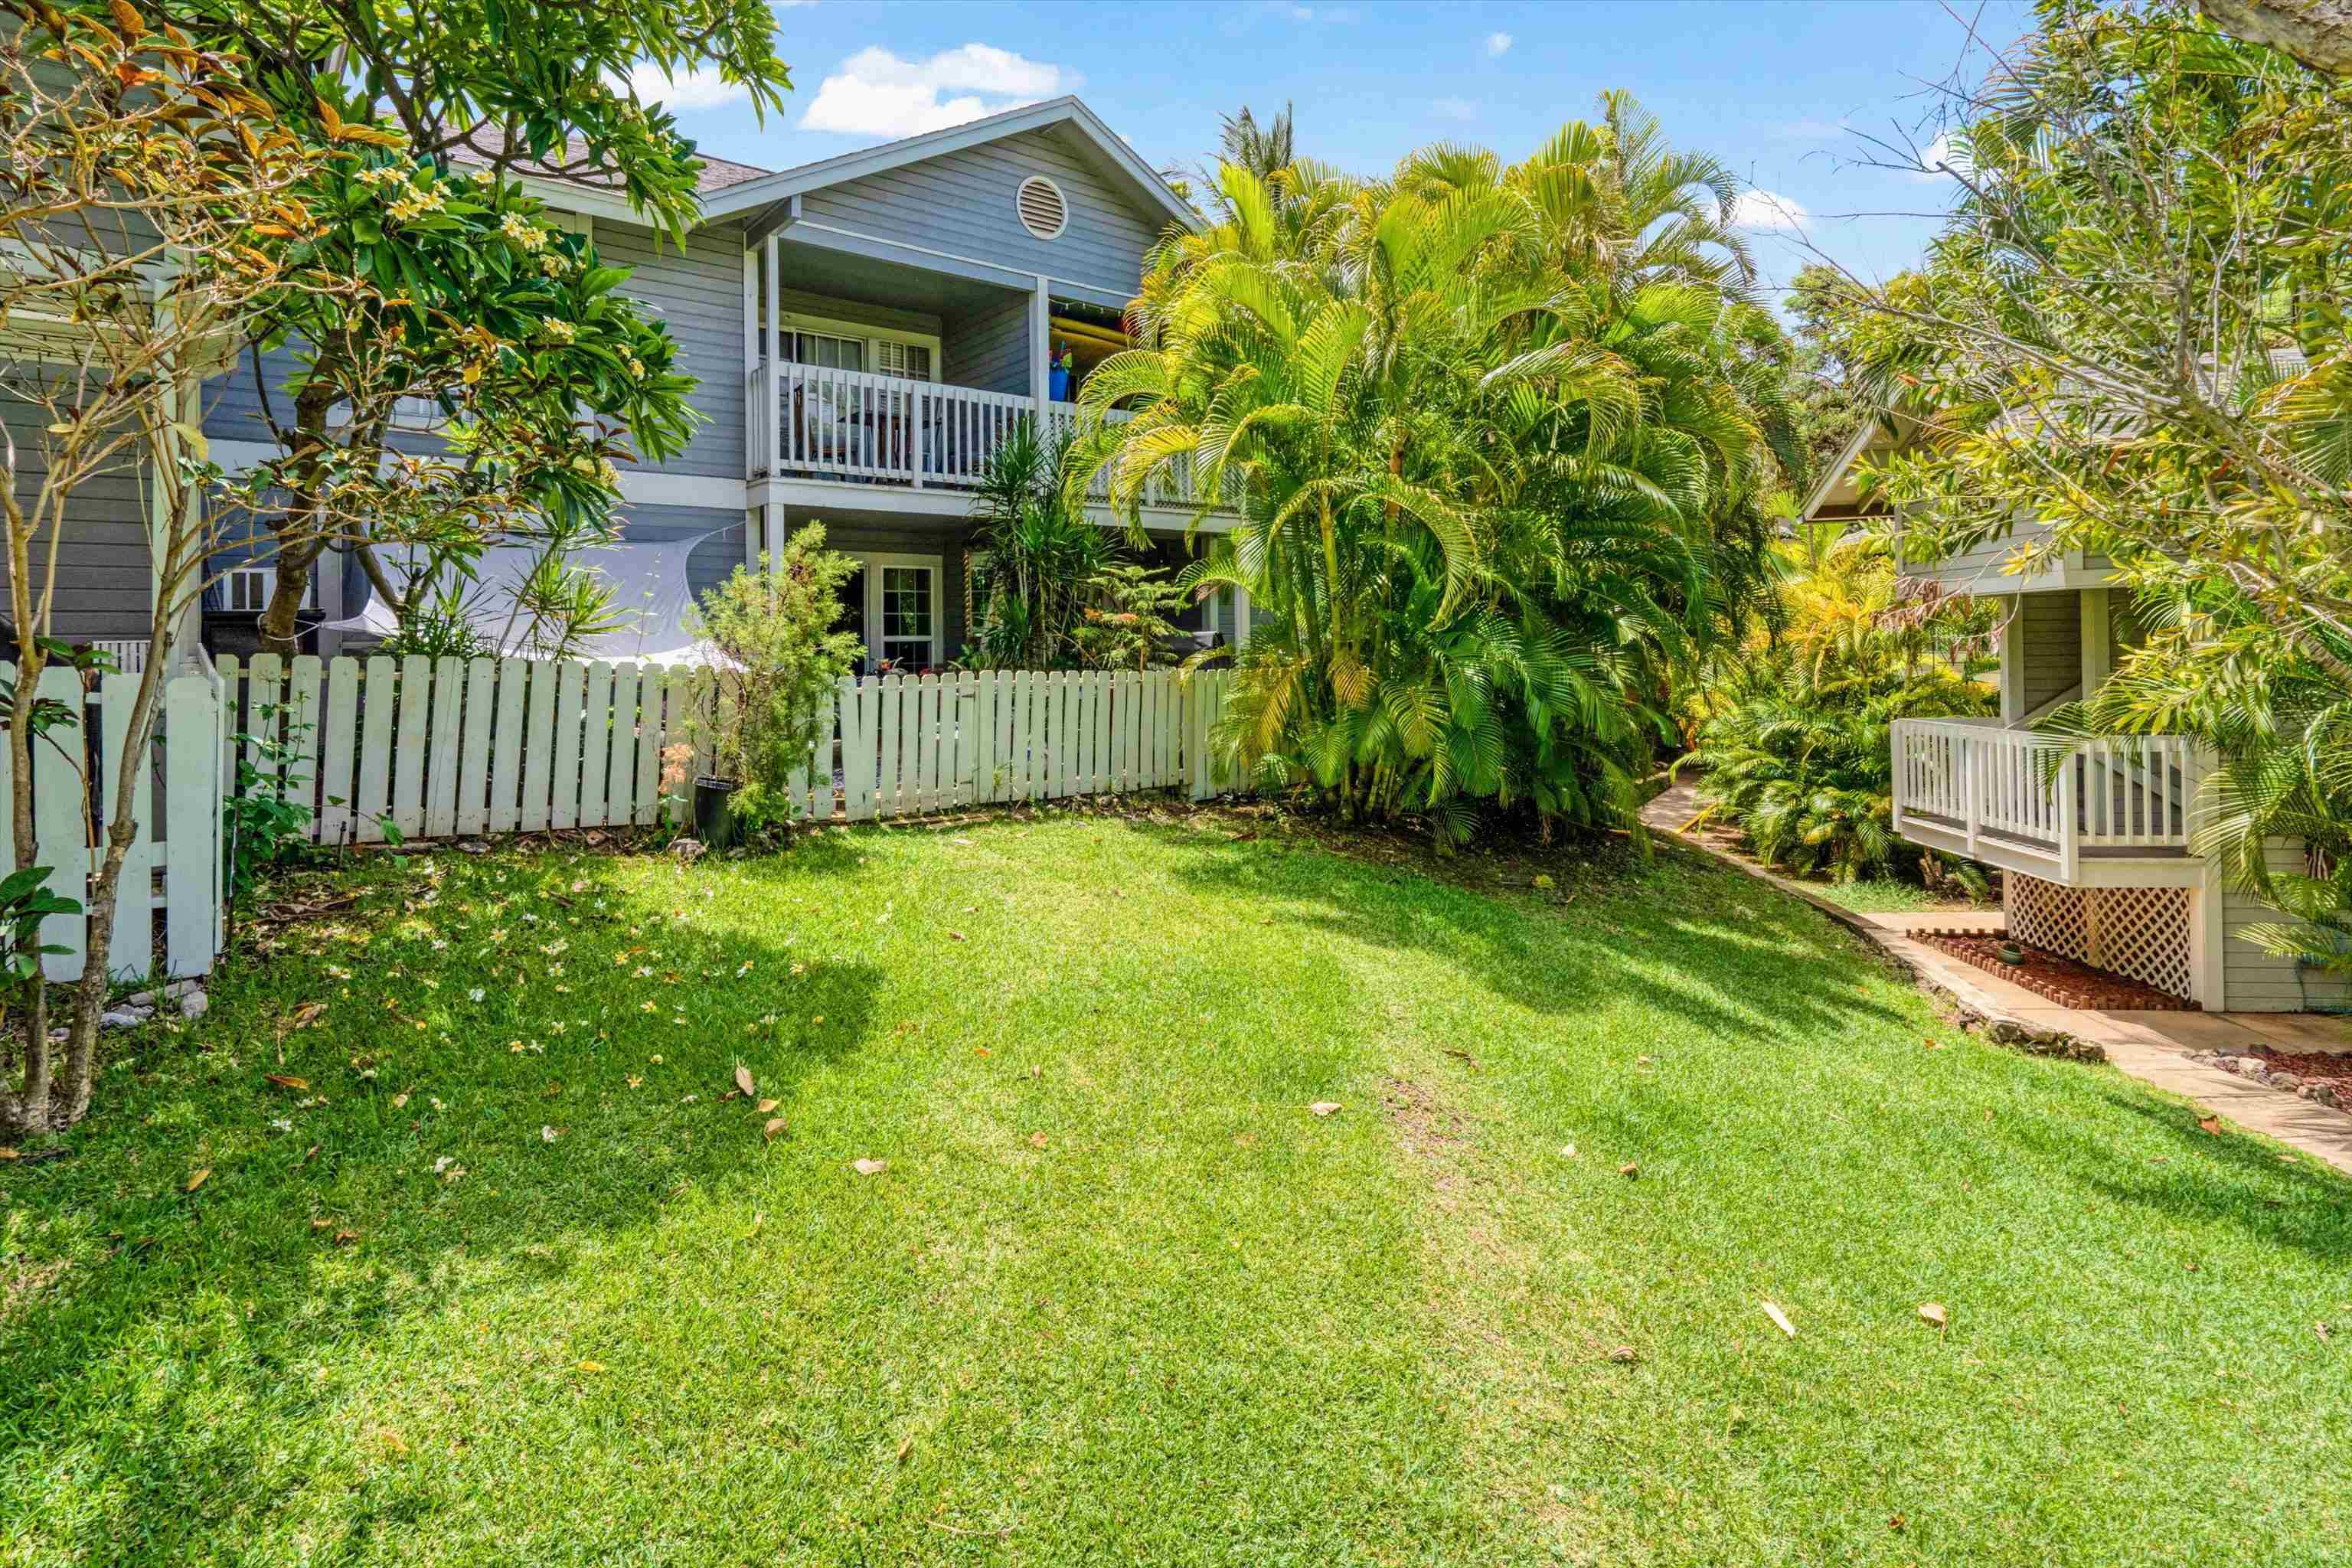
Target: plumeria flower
476,995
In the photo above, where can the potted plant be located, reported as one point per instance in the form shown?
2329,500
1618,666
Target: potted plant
1058,381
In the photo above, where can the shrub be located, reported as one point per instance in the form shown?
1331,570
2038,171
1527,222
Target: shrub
779,662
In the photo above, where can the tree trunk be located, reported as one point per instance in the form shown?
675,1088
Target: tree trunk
2316,33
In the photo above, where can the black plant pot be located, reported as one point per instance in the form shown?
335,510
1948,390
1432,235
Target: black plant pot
714,822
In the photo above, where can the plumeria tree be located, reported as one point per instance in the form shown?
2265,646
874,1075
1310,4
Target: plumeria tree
515,333
150,210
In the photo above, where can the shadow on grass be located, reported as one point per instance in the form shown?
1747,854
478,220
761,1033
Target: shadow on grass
173,1338
1725,973
2230,1178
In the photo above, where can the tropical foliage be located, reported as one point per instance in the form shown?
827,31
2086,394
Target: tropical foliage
2134,328
1035,553
1793,725
779,661
1132,623
482,308
1502,441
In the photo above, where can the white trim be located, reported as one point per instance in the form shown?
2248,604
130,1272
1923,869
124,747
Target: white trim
562,196
870,161
874,562
1061,201
2098,651
652,486
2209,932
929,502
2012,661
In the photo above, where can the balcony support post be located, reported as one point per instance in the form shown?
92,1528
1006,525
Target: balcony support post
1041,351
774,414
1970,752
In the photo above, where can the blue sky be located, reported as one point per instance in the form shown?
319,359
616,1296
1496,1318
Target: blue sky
1778,88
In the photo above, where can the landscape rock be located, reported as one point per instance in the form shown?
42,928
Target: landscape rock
2286,1081
177,989
121,1018
195,1004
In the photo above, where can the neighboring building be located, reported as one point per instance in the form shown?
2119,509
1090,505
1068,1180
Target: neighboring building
2095,857
865,330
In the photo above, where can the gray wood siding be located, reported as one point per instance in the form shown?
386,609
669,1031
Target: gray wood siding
990,349
2257,981
233,402
961,203
699,291
103,581
1978,568
2051,633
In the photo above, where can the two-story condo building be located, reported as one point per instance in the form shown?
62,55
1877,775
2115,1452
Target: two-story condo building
2094,849
865,330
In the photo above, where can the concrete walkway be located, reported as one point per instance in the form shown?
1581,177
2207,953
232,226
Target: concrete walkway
2151,1047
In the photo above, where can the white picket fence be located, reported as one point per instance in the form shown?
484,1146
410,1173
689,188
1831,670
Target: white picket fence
172,875
452,748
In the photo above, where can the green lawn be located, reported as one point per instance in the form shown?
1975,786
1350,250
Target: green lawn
1886,895
1118,1296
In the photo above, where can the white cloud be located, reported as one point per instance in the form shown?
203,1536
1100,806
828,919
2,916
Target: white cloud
875,93
1454,109
1497,45
697,88
1340,14
1769,211
1940,151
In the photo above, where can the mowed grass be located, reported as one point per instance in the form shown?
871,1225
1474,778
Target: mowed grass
1118,1296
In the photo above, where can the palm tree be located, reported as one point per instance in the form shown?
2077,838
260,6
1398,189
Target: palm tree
1500,472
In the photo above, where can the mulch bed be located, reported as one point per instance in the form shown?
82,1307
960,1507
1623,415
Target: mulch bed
2063,980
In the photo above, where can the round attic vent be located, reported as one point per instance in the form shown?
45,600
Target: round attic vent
1042,211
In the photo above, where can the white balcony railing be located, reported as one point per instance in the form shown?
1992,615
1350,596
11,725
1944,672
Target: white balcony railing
2016,790
884,429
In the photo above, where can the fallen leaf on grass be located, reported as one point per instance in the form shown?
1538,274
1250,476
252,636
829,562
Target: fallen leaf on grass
1629,1169
1780,1320
392,1440
905,1446
2211,1125
2321,1329
549,1134
1933,1313
1626,1354
1324,1107
302,1017
743,1079
955,936
286,1080
591,1366
774,1126
869,1167
767,1105
198,1180
1036,1140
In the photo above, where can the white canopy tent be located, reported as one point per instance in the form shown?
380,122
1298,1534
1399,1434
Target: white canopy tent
652,600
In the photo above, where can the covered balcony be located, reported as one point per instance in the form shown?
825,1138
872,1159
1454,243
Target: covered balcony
869,428
2081,813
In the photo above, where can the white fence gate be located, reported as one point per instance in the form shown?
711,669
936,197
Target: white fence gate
446,748
173,870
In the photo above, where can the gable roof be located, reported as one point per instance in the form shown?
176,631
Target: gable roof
484,142
1118,158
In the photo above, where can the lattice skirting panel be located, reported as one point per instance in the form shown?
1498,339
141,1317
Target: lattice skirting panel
2143,933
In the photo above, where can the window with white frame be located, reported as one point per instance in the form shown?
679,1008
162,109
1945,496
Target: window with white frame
847,345
905,614
249,588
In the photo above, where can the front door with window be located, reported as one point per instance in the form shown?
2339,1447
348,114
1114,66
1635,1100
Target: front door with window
903,612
